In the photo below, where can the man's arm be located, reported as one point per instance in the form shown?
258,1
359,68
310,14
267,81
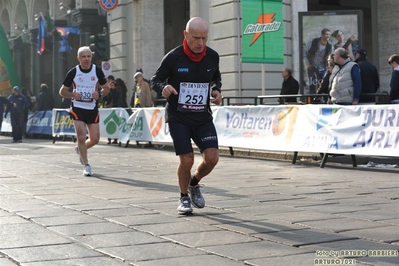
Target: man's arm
158,80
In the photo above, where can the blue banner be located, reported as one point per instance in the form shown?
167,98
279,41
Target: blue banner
39,123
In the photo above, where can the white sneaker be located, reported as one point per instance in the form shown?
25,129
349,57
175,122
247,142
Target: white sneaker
184,206
87,170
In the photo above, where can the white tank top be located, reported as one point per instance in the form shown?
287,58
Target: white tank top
85,84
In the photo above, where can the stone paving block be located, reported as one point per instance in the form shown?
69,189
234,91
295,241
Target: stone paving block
293,260
366,201
303,216
386,234
145,219
21,228
374,215
51,212
303,237
131,238
89,229
99,205
118,212
68,199
309,202
260,208
179,227
343,247
154,251
95,261
253,250
138,199
211,238
261,226
341,224
223,218
12,219
46,253
228,203
195,260
40,238
5,261
342,209
80,218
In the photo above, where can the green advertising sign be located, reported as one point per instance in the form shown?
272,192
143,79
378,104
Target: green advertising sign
262,31
8,75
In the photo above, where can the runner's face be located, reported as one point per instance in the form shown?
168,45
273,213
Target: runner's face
85,59
196,39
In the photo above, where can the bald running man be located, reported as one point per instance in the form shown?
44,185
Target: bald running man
191,71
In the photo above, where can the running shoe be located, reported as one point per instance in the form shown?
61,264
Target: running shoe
77,152
197,200
87,170
184,206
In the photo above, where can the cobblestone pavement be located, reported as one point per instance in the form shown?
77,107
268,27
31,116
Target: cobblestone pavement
260,211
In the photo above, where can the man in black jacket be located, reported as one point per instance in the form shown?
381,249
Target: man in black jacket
369,75
187,77
289,86
45,100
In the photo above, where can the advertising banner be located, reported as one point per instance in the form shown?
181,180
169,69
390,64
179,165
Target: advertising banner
262,31
148,124
8,73
114,124
62,123
39,123
359,130
320,33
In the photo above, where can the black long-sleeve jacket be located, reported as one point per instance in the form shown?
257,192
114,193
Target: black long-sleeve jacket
177,69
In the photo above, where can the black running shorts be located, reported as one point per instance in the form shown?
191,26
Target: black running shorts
204,136
84,115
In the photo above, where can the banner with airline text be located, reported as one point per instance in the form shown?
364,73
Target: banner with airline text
262,31
359,130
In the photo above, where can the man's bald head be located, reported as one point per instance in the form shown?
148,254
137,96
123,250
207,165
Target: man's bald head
196,34
196,24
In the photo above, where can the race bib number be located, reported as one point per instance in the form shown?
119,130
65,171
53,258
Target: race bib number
193,97
86,94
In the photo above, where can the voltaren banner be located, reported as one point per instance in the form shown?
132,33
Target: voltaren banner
262,31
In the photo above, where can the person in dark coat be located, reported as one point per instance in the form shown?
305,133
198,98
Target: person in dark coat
18,104
45,100
289,86
369,76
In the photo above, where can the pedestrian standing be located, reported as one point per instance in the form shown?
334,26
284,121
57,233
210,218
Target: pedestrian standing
191,74
290,86
18,105
369,75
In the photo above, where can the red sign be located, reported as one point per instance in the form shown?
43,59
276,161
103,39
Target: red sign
108,5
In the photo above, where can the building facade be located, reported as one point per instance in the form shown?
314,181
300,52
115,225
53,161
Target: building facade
142,31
